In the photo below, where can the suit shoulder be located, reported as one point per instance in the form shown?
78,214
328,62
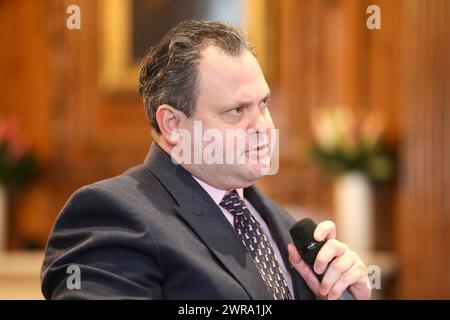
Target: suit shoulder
123,183
136,185
125,197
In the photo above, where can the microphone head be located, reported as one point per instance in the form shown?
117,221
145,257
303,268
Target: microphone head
302,234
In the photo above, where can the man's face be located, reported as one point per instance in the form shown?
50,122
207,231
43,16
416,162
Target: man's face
232,99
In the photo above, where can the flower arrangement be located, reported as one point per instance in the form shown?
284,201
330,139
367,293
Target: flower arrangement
346,142
17,162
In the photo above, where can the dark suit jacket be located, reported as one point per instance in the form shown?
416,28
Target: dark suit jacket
154,233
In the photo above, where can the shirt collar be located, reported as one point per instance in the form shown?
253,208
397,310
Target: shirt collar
216,194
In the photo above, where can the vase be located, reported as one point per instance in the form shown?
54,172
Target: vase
3,218
354,211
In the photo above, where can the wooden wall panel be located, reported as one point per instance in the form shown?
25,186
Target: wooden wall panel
24,94
323,59
49,82
423,226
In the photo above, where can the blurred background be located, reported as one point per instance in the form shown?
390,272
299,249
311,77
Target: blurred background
363,113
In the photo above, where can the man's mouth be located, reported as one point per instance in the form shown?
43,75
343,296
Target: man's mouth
258,152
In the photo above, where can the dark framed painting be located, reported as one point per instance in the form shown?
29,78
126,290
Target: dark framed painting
128,28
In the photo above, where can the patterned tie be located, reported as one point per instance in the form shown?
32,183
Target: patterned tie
255,240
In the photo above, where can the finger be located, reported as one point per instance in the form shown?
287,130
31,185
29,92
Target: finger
331,249
325,230
361,290
334,272
305,271
354,277
308,276
294,257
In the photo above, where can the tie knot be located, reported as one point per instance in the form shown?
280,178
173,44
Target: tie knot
233,203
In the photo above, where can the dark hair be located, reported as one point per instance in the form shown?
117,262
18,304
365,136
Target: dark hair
169,69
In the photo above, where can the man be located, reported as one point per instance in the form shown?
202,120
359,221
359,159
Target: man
179,229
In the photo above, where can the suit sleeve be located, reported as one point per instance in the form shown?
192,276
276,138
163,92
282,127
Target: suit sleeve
100,236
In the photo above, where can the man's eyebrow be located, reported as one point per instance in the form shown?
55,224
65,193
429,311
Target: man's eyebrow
244,102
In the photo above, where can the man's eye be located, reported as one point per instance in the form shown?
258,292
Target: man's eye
264,102
236,111
263,105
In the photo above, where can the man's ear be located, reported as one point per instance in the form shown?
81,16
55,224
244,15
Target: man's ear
168,119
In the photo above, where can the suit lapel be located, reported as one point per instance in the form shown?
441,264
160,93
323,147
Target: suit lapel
199,211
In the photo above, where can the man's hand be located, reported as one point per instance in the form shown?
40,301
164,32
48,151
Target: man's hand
346,269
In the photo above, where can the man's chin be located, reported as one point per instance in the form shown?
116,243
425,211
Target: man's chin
256,171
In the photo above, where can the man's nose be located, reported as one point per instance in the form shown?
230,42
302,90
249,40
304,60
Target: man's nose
260,121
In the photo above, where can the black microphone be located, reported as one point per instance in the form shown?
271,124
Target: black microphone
302,234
